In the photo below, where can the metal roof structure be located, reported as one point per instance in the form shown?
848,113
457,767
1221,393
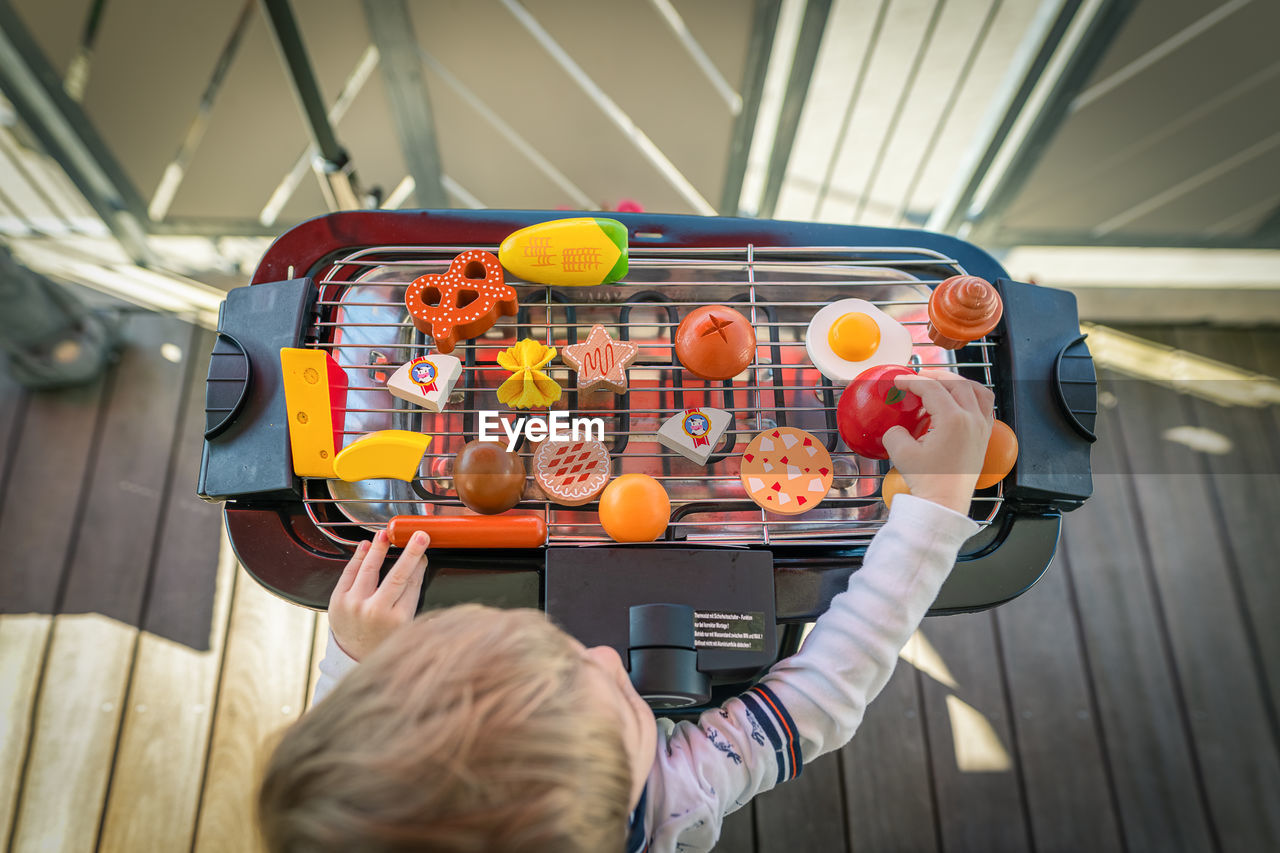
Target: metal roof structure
178,137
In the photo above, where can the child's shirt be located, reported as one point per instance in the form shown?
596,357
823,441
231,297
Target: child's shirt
807,704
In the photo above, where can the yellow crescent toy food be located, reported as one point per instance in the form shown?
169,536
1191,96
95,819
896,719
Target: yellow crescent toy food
567,252
391,454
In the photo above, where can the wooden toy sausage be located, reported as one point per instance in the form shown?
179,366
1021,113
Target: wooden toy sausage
470,531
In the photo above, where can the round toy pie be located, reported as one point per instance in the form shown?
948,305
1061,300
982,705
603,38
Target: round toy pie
715,342
571,473
786,470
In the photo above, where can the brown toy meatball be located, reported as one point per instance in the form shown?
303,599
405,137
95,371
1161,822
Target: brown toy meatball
489,480
715,342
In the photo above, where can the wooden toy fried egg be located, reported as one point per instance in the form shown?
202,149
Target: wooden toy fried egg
847,337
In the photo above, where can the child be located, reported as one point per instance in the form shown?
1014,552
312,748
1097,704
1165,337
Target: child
475,729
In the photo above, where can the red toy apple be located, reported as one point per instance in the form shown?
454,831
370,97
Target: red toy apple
872,404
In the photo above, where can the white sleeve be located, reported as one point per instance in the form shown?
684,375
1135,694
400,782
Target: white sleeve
813,701
333,666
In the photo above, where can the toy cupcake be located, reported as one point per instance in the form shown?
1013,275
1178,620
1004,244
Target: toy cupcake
962,309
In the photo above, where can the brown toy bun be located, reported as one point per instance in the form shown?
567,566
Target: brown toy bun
715,342
489,480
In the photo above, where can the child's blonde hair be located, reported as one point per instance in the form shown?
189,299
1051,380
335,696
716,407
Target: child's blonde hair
469,730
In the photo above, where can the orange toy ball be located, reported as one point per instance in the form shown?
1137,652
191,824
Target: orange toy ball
1002,452
634,508
894,484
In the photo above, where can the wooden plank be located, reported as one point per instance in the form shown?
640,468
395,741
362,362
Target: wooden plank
888,793
1148,750
263,687
1244,479
42,495
1233,736
83,684
806,813
22,647
181,596
1068,786
45,479
164,737
13,400
973,753
319,643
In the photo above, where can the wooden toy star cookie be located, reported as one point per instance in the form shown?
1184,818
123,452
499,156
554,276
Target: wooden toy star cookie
461,303
601,361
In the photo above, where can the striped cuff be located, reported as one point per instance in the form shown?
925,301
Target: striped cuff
778,727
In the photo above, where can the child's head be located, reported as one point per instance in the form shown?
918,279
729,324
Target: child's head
470,729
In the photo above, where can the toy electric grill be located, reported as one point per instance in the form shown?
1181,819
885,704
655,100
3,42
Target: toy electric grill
751,577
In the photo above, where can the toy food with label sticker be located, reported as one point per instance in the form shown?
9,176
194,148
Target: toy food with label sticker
571,473
715,342
568,252
786,470
634,508
961,309
461,303
847,337
527,387
488,478
1002,452
426,381
600,361
894,484
388,454
315,393
872,404
470,531
694,433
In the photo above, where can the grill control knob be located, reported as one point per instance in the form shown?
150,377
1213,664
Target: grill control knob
663,658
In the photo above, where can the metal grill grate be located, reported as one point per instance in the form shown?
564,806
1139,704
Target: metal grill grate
361,319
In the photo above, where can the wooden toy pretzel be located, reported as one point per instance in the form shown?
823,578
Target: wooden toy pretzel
461,303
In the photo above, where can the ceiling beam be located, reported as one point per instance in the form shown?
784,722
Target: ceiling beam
764,22
334,169
393,34
66,135
995,193
812,27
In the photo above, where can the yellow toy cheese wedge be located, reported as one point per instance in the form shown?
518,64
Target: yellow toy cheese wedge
567,252
390,454
315,393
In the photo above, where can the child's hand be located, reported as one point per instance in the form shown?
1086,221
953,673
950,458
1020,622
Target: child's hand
361,613
943,465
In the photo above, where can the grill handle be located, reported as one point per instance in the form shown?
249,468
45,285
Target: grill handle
1048,391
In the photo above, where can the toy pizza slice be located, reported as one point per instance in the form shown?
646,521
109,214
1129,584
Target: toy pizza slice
426,381
786,470
694,433
571,473
461,303
600,361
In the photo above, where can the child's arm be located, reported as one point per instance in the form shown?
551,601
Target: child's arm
812,702
362,612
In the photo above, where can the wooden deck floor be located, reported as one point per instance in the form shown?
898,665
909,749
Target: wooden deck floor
1128,702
